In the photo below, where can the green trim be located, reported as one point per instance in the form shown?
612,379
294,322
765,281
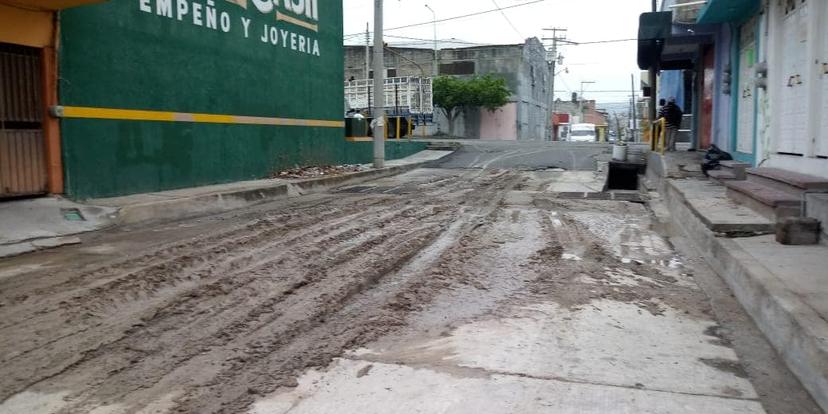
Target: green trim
757,47
735,96
727,11
735,63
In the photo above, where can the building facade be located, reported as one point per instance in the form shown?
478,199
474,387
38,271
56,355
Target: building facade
759,78
124,97
523,66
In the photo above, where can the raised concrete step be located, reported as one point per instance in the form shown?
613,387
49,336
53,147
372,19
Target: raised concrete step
737,168
782,287
817,207
721,176
708,202
787,181
734,164
765,200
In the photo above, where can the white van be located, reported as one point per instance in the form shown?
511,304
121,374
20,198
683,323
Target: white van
583,133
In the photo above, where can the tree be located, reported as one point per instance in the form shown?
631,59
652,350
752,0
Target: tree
453,95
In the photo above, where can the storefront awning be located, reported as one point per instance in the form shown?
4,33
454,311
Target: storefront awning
723,11
663,48
47,5
653,29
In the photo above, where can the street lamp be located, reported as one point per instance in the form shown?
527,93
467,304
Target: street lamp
434,64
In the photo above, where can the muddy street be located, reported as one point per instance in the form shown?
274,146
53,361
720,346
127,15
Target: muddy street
479,285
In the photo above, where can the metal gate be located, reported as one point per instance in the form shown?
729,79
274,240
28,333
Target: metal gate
822,137
22,149
745,115
793,132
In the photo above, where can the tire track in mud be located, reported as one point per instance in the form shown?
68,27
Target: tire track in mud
239,315
89,336
176,257
262,305
15,293
371,311
82,310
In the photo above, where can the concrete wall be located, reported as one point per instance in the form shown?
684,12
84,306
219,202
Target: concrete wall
817,205
355,61
500,124
159,98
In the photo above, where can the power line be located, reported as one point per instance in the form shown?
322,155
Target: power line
487,44
595,42
431,40
606,91
605,41
507,19
458,17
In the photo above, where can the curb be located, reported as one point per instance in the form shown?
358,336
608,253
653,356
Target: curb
168,210
794,329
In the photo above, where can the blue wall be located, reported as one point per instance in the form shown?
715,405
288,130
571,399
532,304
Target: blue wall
722,102
671,85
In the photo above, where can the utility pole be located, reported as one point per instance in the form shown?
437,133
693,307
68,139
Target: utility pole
653,82
582,98
379,88
632,100
553,62
367,52
434,65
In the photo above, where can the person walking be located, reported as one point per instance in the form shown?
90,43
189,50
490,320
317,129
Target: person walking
672,115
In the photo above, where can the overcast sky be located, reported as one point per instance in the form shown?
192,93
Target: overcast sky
609,64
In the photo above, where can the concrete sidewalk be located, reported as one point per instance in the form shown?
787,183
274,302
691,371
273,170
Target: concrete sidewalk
30,225
34,224
782,287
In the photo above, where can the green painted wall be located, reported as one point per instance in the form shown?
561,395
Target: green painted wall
123,54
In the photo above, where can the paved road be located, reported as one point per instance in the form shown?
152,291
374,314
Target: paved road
527,155
464,288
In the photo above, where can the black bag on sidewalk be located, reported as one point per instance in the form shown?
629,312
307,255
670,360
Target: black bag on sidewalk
713,157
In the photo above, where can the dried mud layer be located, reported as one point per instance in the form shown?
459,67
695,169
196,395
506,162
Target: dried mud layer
207,323
207,316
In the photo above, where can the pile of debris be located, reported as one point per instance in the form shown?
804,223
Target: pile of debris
317,171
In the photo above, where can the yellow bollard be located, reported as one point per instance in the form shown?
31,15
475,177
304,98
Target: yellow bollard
663,135
397,119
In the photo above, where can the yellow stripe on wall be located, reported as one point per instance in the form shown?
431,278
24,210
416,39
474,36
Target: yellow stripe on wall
292,20
142,115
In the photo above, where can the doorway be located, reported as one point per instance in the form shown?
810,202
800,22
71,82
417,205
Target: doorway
23,169
746,96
